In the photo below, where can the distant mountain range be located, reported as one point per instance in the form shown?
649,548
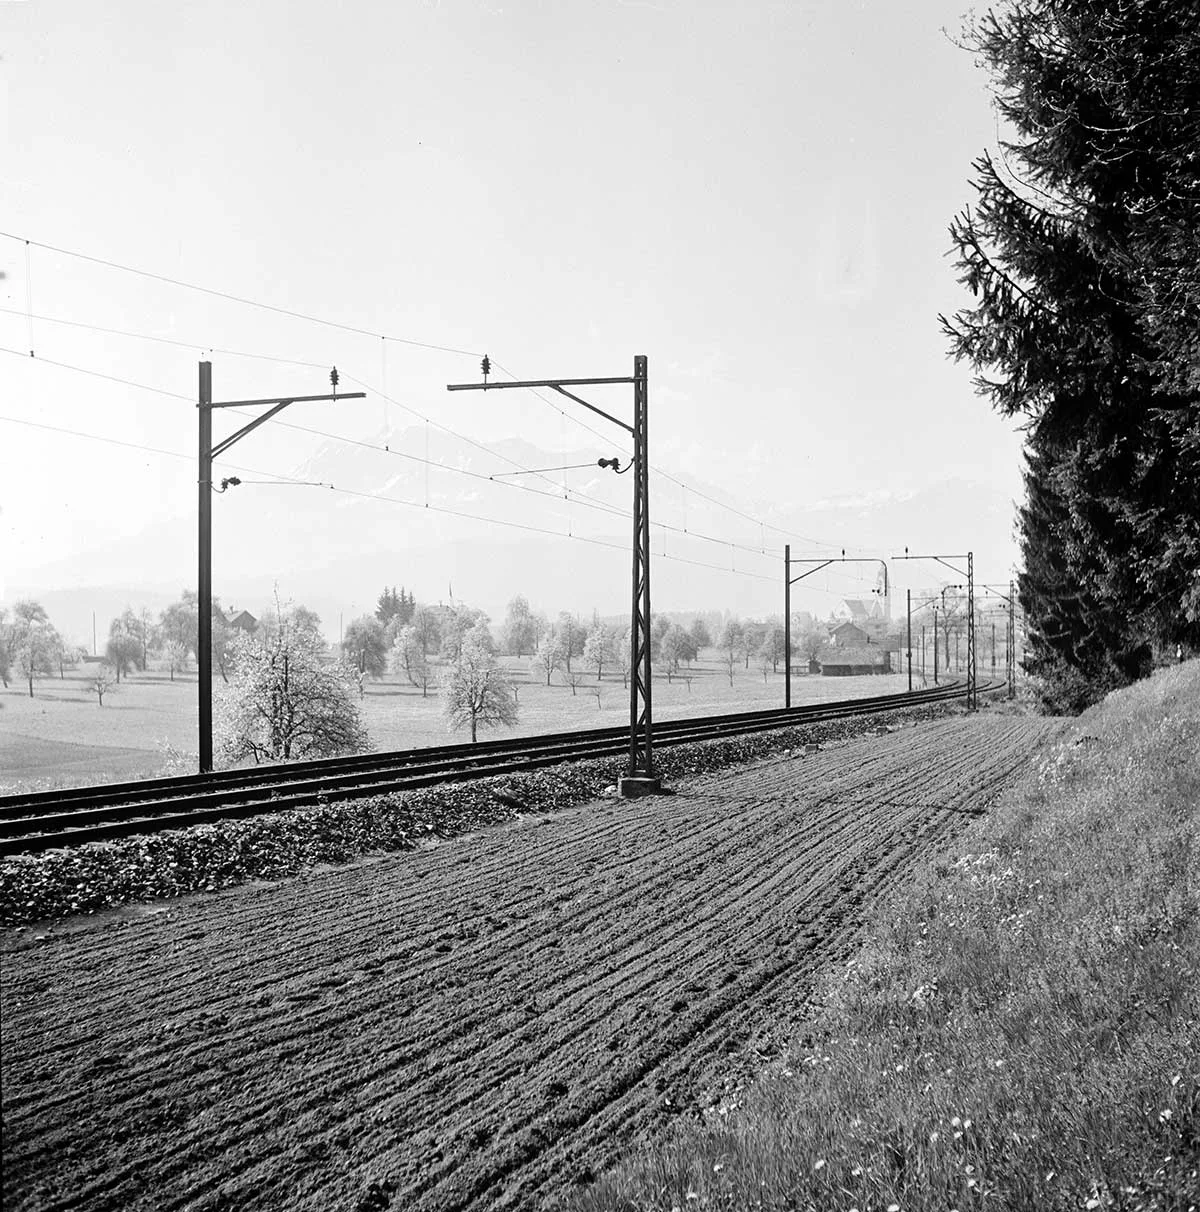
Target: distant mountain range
336,550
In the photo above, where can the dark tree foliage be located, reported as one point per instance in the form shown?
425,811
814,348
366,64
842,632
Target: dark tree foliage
1081,255
1063,616
392,605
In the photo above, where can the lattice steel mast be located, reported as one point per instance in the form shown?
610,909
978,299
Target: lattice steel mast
640,777
972,684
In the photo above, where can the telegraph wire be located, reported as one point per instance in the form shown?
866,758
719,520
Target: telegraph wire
558,493
29,297
666,474
237,353
145,336
158,450
220,294
95,437
584,499
345,328
278,479
161,391
358,332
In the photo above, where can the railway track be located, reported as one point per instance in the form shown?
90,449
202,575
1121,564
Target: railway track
51,819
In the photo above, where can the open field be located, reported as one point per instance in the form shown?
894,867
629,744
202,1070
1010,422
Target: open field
61,737
482,1024
1019,1029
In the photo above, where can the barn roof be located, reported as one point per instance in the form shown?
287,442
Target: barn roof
870,654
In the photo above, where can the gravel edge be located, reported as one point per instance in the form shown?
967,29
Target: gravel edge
205,858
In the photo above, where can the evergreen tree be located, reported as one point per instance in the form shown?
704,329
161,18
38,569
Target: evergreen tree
1082,239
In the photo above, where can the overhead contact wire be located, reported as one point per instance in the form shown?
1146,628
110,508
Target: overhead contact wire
232,298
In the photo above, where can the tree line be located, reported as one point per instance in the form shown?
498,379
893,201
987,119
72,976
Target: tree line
1082,256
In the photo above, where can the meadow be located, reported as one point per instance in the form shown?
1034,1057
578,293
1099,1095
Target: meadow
147,726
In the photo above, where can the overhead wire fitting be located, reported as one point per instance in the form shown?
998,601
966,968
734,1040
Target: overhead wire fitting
577,420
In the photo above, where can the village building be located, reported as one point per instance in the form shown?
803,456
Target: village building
243,620
848,635
845,661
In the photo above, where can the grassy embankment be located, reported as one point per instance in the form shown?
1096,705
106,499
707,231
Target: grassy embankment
1022,1030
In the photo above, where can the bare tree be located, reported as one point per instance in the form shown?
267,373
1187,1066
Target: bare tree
32,640
476,691
700,634
176,654
731,642
623,654
124,648
100,681
549,655
572,636
597,652
285,702
364,646
519,632
409,658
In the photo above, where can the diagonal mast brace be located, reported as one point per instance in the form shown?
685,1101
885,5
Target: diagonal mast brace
640,778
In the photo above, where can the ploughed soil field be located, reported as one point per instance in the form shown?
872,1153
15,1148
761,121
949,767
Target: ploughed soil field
480,1024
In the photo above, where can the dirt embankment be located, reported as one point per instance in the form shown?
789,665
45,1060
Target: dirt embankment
482,1024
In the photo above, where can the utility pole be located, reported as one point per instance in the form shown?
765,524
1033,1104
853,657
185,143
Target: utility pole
1010,636
789,581
1010,656
928,601
972,683
208,452
908,611
204,572
935,659
787,625
972,690
640,778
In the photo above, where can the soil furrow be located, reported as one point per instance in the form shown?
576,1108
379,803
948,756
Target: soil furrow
655,942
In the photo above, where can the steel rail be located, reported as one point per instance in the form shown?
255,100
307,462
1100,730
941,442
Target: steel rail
23,832
165,788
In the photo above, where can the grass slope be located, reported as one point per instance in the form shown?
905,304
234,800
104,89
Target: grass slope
1022,1030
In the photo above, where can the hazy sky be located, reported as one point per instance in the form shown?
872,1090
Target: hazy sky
754,195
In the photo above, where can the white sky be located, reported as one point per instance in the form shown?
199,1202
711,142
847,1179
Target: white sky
754,195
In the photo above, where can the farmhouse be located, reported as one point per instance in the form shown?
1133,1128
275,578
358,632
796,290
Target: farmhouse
846,662
848,635
243,620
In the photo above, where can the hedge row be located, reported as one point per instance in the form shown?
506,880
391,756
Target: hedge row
204,858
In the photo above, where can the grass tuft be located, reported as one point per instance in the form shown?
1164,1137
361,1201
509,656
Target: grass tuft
1021,1030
